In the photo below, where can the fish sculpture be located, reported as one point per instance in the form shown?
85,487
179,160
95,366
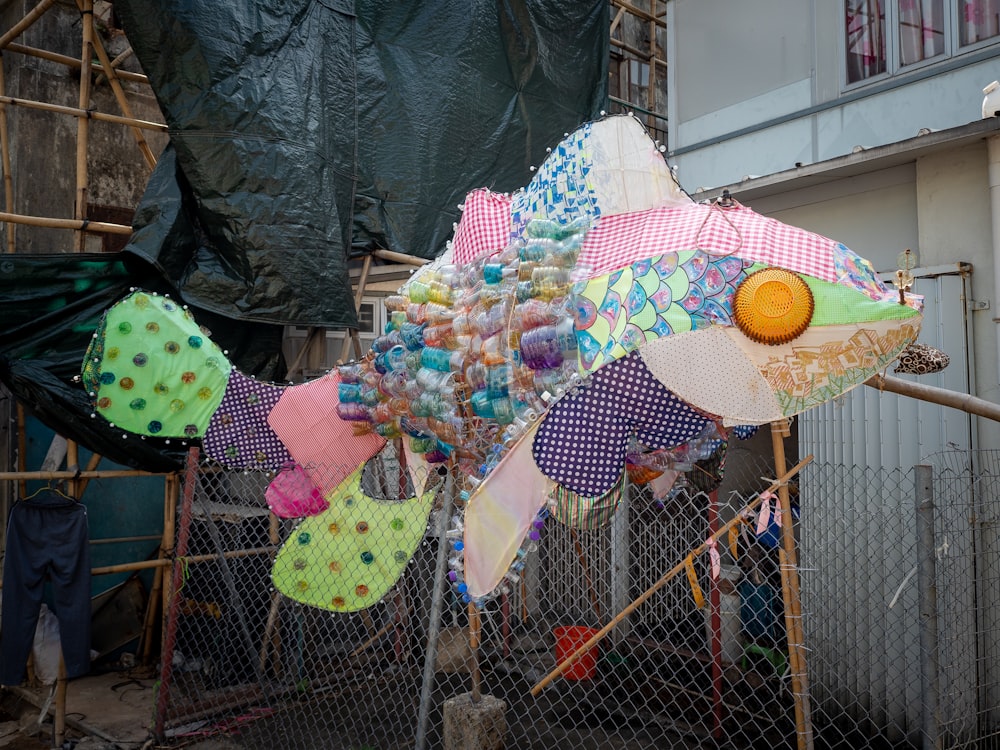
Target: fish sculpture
594,322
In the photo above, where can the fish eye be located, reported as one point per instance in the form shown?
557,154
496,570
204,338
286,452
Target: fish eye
773,306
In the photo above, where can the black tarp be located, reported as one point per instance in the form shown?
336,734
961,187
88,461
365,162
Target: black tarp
52,304
301,129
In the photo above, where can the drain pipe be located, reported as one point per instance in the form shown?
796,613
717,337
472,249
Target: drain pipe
993,150
991,108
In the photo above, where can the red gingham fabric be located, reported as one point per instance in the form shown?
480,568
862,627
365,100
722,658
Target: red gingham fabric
622,239
484,228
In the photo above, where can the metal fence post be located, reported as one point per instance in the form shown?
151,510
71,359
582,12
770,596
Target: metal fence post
927,598
437,597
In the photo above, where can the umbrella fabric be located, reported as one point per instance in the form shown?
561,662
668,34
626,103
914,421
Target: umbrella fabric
584,438
484,228
348,557
151,370
305,418
617,241
582,512
238,435
730,382
499,514
666,294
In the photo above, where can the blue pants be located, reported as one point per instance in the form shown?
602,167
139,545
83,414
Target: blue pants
47,539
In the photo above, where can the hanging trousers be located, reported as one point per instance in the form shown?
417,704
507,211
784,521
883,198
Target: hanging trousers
47,539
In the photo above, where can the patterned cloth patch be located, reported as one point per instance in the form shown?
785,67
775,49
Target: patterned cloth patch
827,361
858,273
618,312
238,435
484,228
151,370
728,382
617,241
583,439
348,557
581,512
921,359
305,419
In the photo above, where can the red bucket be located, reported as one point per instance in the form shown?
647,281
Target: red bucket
568,639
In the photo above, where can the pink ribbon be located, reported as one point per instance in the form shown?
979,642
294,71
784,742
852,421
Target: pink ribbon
764,515
713,556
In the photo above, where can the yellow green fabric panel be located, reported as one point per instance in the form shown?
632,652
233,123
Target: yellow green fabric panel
348,557
151,370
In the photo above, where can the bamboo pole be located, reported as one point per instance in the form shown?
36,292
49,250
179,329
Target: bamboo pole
119,92
155,606
83,114
664,579
359,294
8,178
59,715
177,577
22,453
409,260
82,482
74,64
474,669
18,28
122,57
934,395
75,224
788,564
101,474
80,209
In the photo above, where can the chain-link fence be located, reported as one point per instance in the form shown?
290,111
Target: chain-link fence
700,662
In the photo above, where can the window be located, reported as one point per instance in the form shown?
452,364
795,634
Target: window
978,21
885,36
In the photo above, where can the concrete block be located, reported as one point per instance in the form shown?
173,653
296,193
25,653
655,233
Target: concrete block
474,726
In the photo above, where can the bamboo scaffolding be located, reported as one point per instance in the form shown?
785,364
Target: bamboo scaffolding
664,579
116,63
788,565
83,123
72,62
18,28
98,474
119,93
83,113
8,178
76,224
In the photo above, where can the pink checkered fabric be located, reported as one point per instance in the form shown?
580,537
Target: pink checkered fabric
484,228
622,239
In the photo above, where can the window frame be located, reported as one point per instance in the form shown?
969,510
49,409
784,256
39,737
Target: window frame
893,67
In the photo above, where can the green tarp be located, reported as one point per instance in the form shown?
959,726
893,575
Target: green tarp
304,131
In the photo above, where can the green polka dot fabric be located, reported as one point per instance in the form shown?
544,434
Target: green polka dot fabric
348,557
151,370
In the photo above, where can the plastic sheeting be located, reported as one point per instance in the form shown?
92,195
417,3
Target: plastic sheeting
306,129
51,305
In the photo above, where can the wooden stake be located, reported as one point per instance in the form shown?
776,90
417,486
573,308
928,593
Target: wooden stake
474,670
271,642
59,719
664,579
788,564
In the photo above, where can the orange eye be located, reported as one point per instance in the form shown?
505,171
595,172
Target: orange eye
773,306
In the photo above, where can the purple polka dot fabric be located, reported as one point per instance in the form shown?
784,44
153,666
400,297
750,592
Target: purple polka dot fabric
582,442
238,435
